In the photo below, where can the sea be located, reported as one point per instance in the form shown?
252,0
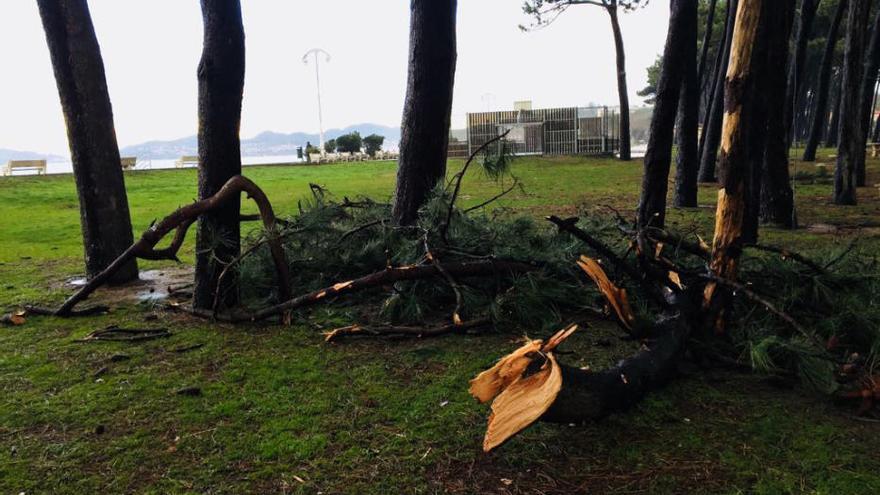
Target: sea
65,166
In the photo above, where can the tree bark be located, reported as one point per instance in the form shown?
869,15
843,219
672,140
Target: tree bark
851,140
712,125
866,92
85,101
622,93
687,164
707,40
221,86
733,159
796,63
821,101
834,123
652,206
428,105
776,197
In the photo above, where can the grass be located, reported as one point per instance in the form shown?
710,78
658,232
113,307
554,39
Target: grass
281,412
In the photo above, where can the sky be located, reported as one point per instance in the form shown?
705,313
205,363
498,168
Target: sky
151,49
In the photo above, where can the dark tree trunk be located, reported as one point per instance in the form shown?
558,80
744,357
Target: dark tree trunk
796,63
221,85
687,164
707,40
623,95
777,201
763,106
655,179
834,124
710,82
852,127
712,125
866,92
424,133
82,87
821,100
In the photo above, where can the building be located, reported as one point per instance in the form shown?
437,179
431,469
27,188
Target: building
548,131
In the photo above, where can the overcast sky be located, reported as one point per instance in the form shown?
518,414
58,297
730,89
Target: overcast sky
151,49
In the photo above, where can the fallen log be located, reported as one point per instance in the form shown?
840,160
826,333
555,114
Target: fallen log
388,276
404,331
565,394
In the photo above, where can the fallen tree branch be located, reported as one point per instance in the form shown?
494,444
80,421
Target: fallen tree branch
494,198
387,276
180,221
12,319
754,296
116,334
787,254
404,331
457,178
90,311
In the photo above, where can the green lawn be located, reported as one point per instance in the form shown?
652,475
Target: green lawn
282,412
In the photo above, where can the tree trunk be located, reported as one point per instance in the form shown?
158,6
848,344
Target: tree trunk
710,82
866,92
424,133
221,85
834,123
796,63
82,87
707,40
777,201
623,95
734,156
687,164
851,139
712,125
821,100
680,42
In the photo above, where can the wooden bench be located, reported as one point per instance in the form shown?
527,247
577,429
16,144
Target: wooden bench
186,161
12,165
128,162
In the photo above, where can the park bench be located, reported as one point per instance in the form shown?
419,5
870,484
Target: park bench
128,162
187,161
12,165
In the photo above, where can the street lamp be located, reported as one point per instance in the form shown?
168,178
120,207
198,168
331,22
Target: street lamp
315,52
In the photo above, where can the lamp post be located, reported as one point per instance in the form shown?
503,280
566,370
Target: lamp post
315,52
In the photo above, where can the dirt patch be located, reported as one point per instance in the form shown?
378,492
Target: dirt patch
152,285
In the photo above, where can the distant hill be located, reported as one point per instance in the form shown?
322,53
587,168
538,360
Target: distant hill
266,143
6,155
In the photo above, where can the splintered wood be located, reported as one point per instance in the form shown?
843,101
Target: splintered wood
524,384
616,296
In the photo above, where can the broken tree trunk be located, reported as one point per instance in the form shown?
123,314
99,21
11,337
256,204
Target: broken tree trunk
727,243
530,384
